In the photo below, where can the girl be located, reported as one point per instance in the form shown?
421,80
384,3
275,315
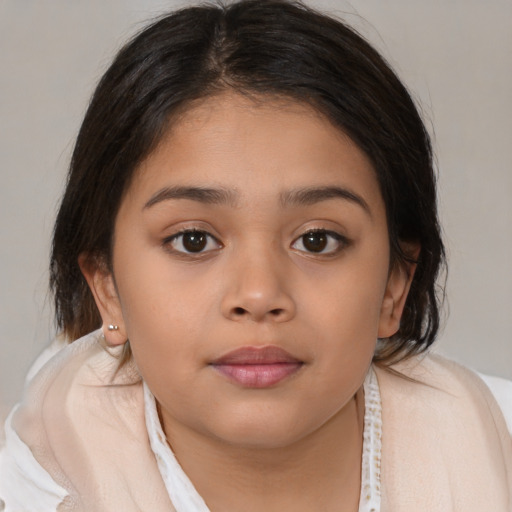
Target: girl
246,253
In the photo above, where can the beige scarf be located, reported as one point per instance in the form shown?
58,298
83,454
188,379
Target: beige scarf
445,443
446,446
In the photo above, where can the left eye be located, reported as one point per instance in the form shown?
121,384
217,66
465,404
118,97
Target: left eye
193,241
319,242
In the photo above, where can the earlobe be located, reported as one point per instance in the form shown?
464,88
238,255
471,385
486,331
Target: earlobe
395,296
102,286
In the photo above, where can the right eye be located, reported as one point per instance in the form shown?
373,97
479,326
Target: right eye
192,241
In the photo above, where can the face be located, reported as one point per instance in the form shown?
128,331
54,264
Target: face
251,270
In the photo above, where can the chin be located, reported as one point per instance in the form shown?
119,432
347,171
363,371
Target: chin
263,433
261,441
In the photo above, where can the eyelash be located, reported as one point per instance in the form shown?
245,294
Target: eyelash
204,239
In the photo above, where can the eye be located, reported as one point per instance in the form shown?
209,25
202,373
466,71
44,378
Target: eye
320,241
192,241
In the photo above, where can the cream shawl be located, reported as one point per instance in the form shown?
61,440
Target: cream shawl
445,443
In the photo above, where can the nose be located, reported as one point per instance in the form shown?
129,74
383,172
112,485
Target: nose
258,290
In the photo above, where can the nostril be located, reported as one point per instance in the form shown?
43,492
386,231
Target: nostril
240,313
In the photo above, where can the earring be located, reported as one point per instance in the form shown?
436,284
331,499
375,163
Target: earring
112,327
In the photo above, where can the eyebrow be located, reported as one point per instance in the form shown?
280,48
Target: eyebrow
299,197
312,195
201,194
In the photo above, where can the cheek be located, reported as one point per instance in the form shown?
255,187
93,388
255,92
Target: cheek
162,309
343,314
153,290
348,300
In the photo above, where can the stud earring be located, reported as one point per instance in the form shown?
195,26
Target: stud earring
112,327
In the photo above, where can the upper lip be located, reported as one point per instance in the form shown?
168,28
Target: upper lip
268,354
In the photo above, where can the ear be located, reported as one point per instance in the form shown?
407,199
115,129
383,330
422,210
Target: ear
101,283
397,290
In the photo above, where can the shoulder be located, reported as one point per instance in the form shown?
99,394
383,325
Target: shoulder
444,380
441,385
502,392
67,408
444,431
78,380
24,484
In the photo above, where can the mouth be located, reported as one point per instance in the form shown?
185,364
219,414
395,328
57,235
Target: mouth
257,367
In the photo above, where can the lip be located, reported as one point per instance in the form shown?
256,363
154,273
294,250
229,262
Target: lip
257,367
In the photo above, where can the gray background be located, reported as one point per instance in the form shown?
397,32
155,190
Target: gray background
455,55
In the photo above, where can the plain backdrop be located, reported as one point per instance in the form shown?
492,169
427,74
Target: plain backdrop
454,55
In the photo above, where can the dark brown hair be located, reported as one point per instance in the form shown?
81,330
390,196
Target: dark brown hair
257,47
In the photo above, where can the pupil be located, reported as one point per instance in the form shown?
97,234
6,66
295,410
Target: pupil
194,241
315,242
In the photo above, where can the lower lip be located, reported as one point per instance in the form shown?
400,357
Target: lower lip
258,375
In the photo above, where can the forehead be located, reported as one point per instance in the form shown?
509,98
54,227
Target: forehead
260,146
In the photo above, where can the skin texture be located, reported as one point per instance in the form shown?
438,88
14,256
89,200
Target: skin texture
255,284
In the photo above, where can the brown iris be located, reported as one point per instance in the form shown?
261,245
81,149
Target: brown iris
194,241
315,241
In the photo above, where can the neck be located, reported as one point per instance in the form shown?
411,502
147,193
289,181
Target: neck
321,471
